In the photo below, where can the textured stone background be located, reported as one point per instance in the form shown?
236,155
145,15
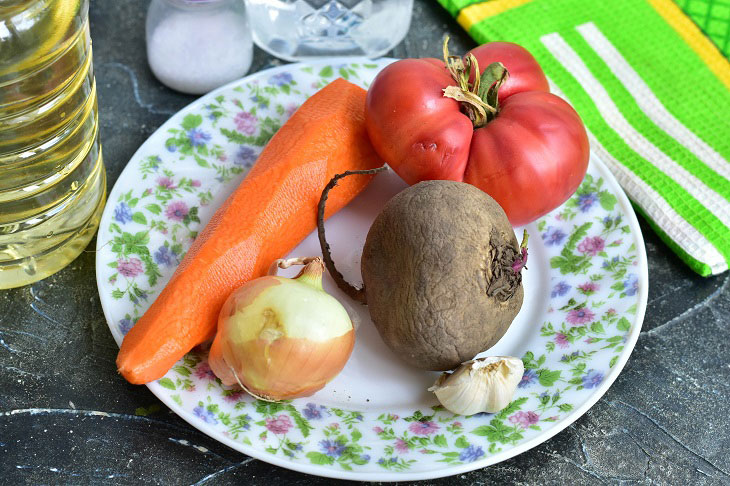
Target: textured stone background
665,420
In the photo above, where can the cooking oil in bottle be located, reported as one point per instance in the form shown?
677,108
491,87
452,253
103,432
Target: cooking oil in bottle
52,178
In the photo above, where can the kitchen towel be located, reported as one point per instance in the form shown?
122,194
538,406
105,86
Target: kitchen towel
654,93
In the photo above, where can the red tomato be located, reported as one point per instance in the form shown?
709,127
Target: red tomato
530,158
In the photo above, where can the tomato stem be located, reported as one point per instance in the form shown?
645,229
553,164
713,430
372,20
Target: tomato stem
479,99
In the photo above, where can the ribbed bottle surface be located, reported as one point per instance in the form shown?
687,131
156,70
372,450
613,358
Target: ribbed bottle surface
52,177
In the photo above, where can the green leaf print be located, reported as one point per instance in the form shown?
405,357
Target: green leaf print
462,443
548,378
597,328
302,423
192,121
153,208
167,383
568,262
182,370
326,72
514,406
496,431
139,218
201,161
608,200
579,232
319,458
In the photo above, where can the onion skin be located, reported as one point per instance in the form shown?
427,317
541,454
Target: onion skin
281,338
218,364
284,371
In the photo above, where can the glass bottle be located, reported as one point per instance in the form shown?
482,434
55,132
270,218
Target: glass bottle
304,29
52,178
195,46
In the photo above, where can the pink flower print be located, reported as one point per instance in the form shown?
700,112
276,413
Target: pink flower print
611,312
378,430
147,191
524,419
401,446
290,109
166,183
279,425
204,372
589,340
222,157
176,210
562,340
617,242
234,396
591,245
423,428
334,426
457,424
588,288
195,183
245,122
580,316
130,267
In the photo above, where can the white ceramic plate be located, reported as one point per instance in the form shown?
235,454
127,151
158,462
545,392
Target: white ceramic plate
585,297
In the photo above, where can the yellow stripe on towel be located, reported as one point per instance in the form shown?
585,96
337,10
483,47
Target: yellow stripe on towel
473,14
696,39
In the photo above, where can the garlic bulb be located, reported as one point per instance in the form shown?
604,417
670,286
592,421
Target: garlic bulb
479,385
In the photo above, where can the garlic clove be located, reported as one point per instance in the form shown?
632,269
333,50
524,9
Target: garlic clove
479,385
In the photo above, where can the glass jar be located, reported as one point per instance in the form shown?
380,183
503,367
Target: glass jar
305,29
52,178
194,46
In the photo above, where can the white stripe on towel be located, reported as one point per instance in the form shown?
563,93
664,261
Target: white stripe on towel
675,226
649,103
614,118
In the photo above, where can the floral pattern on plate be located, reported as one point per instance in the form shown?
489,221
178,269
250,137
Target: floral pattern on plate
596,300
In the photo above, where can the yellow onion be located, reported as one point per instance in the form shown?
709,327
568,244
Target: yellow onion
281,338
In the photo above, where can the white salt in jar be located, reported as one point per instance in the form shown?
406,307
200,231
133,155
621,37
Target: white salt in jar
195,46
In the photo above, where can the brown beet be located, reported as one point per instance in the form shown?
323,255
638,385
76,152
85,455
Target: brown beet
442,272
437,268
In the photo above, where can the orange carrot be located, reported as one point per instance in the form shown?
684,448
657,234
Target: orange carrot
273,209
